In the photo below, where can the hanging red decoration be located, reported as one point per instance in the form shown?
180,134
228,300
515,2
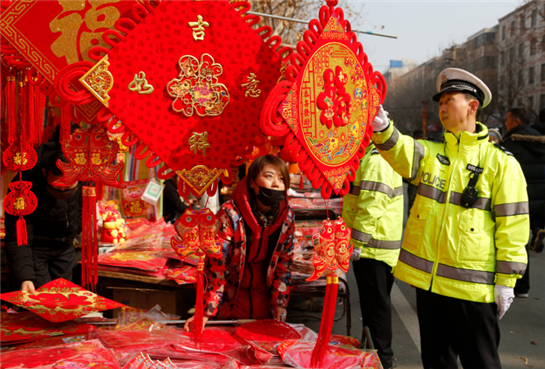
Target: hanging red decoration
193,103
20,201
197,235
90,155
332,251
327,103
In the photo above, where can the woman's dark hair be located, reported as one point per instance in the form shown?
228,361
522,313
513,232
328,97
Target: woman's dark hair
261,162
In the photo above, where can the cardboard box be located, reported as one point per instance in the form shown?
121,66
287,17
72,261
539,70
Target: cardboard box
144,298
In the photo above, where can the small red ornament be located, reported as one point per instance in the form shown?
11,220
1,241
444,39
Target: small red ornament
20,156
20,201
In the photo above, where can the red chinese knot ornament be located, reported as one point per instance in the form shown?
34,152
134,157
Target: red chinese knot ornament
327,103
20,201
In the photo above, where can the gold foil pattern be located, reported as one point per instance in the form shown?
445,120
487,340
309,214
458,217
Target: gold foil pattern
99,81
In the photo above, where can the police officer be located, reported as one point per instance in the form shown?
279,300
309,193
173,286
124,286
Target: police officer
374,211
464,243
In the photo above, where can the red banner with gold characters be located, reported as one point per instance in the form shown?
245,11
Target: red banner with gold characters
54,34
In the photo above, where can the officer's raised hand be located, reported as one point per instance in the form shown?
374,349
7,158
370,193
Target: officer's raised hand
381,121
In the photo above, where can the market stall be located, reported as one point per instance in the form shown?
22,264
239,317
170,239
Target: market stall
200,91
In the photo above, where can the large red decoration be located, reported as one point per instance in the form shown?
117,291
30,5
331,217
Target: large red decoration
60,301
327,103
197,235
54,34
195,98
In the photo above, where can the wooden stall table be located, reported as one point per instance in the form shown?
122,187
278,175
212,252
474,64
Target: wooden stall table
144,292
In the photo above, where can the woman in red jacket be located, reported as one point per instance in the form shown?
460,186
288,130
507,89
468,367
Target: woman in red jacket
252,280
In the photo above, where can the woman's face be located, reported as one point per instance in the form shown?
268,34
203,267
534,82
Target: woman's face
270,177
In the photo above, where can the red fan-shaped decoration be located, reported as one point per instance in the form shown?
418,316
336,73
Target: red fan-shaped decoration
327,103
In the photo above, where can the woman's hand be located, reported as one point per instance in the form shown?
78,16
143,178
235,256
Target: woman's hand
28,286
189,323
280,314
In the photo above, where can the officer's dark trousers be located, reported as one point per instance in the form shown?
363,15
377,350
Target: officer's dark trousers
375,280
52,264
452,327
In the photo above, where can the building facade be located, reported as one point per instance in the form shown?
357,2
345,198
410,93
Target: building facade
509,58
521,65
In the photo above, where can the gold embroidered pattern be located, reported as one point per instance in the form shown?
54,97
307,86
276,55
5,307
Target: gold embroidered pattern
99,81
251,86
19,159
140,84
199,141
198,29
19,203
80,158
80,24
196,90
199,178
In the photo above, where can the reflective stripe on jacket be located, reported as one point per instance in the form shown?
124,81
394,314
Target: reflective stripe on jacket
460,252
374,209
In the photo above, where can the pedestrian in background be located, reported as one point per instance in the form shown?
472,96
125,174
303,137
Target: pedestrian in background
374,211
521,140
463,247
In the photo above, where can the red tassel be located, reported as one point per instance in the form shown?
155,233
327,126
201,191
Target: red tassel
30,107
326,326
199,307
100,190
65,122
89,245
11,109
301,182
22,238
38,122
84,211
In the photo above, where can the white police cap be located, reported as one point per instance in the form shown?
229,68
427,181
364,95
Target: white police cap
456,79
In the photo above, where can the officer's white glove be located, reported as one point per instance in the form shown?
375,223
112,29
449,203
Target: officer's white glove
381,121
504,297
355,254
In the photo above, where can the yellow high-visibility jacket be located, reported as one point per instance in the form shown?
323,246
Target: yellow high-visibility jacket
374,209
457,251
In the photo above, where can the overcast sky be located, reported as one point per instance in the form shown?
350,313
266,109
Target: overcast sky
423,28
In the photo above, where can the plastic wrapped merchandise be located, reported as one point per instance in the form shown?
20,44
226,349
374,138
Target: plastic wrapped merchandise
298,355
